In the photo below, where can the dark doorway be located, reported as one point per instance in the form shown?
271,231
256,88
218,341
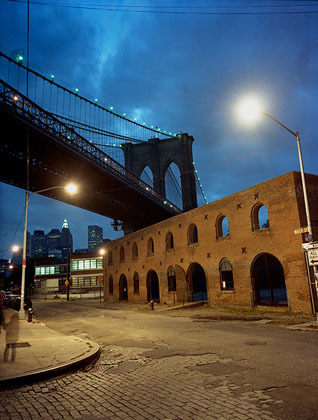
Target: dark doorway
153,286
196,283
268,281
123,289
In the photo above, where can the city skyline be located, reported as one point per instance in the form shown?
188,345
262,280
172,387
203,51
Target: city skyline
180,71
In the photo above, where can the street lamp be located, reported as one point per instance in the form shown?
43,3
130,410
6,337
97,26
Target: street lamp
249,110
71,189
100,279
15,248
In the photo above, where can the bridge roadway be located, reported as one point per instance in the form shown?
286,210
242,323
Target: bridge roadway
57,155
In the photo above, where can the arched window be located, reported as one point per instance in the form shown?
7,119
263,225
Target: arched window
169,241
121,254
110,258
222,226
111,285
226,275
192,234
259,217
150,247
134,251
172,285
136,283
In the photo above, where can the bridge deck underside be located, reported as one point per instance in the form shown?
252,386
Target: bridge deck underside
53,163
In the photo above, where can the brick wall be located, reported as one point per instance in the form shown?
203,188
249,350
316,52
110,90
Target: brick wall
283,198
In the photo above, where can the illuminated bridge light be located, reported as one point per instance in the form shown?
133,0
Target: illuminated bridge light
124,114
165,202
76,90
144,123
135,119
96,100
52,76
151,126
111,108
15,98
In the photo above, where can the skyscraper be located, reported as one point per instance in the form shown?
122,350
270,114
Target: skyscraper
38,244
66,240
53,240
95,237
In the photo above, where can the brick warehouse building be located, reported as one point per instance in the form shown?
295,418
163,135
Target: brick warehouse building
221,251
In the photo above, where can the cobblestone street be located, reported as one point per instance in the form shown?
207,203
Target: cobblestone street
151,379
169,388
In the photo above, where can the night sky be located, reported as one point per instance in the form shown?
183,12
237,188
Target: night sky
182,68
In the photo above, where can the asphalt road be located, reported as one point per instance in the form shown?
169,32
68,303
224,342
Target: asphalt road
170,366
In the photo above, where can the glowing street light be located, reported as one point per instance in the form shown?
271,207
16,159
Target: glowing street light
250,110
102,251
71,189
15,248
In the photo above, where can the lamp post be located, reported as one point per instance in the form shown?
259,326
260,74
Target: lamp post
100,279
250,109
71,189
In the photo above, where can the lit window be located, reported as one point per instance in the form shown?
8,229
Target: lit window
93,263
81,264
74,265
226,275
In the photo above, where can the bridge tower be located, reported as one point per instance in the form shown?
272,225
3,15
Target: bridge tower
158,155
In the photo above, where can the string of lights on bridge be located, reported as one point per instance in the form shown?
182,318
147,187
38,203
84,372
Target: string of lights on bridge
95,129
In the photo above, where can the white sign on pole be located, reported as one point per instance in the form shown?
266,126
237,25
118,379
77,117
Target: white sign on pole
313,256
311,245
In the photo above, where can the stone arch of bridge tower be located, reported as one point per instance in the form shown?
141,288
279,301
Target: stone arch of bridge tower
158,155
144,166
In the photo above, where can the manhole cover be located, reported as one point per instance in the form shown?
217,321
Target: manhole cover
256,343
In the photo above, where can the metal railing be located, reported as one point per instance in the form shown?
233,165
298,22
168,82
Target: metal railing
46,122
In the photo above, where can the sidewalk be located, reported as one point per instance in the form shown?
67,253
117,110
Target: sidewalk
40,351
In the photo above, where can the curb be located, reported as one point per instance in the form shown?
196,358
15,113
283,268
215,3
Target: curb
92,356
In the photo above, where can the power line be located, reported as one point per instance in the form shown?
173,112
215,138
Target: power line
186,10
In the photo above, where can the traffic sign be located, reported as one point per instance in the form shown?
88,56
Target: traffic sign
313,256
67,282
100,279
310,245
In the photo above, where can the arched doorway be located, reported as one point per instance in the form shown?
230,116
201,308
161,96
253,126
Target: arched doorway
196,279
123,289
153,292
268,281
